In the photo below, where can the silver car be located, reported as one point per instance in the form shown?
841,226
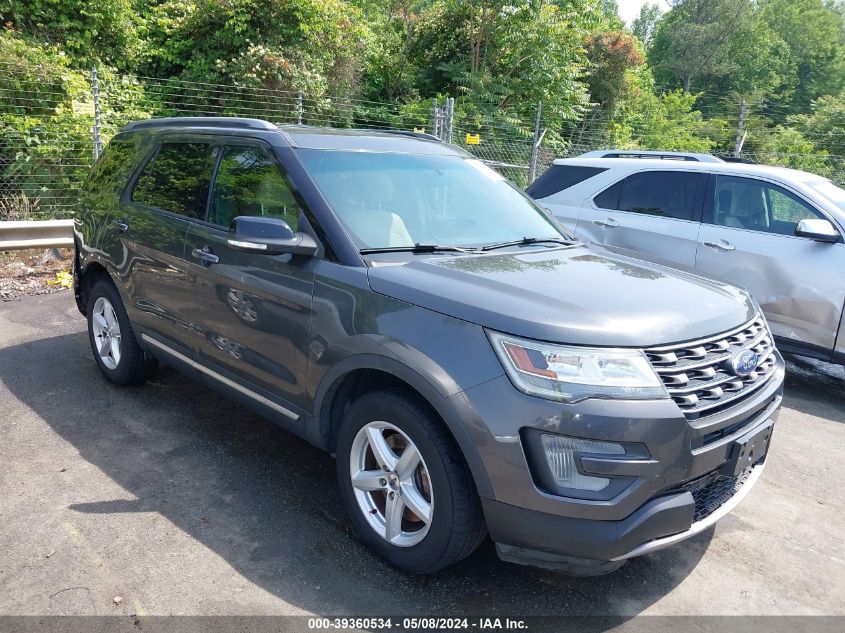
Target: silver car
776,232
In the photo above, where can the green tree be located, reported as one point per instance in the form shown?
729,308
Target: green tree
390,74
691,40
668,122
814,32
316,45
645,23
88,32
501,57
612,55
610,13
788,147
826,125
756,64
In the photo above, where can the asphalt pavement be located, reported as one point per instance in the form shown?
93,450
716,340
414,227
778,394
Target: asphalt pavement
181,502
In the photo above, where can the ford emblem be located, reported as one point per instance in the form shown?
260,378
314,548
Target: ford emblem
744,362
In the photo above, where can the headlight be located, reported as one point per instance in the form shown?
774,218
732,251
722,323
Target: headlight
569,373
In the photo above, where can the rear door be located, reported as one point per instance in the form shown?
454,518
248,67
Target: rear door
652,215
252,311
748,239
169,192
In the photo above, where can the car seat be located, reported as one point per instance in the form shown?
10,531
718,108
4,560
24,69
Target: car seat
364,206
724,212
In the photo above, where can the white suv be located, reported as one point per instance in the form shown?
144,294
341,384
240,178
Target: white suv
776,232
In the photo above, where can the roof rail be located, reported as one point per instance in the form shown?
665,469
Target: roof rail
201,121
624,153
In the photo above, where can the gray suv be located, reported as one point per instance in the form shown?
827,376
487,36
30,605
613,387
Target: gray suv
391,299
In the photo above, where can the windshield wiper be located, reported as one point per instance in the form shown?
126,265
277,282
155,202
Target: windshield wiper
529,240
419,248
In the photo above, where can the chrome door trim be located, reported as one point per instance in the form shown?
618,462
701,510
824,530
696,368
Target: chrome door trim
219,377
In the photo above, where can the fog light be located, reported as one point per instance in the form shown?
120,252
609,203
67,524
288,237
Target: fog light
560,454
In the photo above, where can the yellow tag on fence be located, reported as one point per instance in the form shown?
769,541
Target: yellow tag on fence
473,139
81,107
419,130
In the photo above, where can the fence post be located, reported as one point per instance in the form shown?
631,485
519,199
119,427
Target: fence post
450,117
95,89
740,129
435,115
299,108
535,145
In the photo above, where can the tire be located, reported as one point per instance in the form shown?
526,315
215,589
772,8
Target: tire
112,339
455,527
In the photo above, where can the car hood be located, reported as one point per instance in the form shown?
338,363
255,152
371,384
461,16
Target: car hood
568,295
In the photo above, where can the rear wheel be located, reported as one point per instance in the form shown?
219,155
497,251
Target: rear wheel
113,343
405,484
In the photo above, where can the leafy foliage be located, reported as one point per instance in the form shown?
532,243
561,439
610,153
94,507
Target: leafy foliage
668,122
675,80
612,54
88,32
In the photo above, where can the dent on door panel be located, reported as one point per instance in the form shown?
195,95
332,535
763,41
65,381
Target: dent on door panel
795,280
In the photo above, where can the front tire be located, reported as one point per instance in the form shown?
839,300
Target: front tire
116,351
405,483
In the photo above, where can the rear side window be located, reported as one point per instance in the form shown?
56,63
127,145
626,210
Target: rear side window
609,198
669,194
114,167
177,179
560,177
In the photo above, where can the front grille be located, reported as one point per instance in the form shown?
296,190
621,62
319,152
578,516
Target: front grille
713,491
698,374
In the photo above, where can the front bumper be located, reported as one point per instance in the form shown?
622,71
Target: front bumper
661,506
545,540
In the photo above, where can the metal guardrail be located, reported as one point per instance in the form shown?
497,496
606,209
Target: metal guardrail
22,234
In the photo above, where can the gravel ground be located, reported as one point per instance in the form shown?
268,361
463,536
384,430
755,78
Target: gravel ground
181,502
32,272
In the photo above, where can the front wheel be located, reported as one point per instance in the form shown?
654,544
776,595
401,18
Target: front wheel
116,351
405,484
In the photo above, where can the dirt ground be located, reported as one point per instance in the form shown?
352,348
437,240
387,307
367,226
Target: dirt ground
32,272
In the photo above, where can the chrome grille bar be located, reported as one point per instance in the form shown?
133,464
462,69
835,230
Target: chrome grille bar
697,374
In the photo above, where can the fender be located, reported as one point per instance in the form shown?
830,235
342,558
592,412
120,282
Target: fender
83,259
441,395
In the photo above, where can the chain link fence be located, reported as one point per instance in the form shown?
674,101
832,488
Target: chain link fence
52,125
51,128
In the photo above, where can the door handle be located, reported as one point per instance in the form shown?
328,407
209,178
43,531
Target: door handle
722,245
206,257
121,225
609,223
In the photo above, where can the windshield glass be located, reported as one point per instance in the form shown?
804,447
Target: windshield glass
830,191
399,200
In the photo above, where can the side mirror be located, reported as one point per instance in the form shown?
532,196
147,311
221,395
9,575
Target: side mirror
817,229
269,236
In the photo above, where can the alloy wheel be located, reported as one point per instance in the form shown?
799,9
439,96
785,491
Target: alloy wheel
106,333
391,483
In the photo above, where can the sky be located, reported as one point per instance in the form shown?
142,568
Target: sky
630,9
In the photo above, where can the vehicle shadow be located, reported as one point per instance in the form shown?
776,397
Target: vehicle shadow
268,503
815,387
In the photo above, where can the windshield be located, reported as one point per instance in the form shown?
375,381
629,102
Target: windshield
830,191
400,200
